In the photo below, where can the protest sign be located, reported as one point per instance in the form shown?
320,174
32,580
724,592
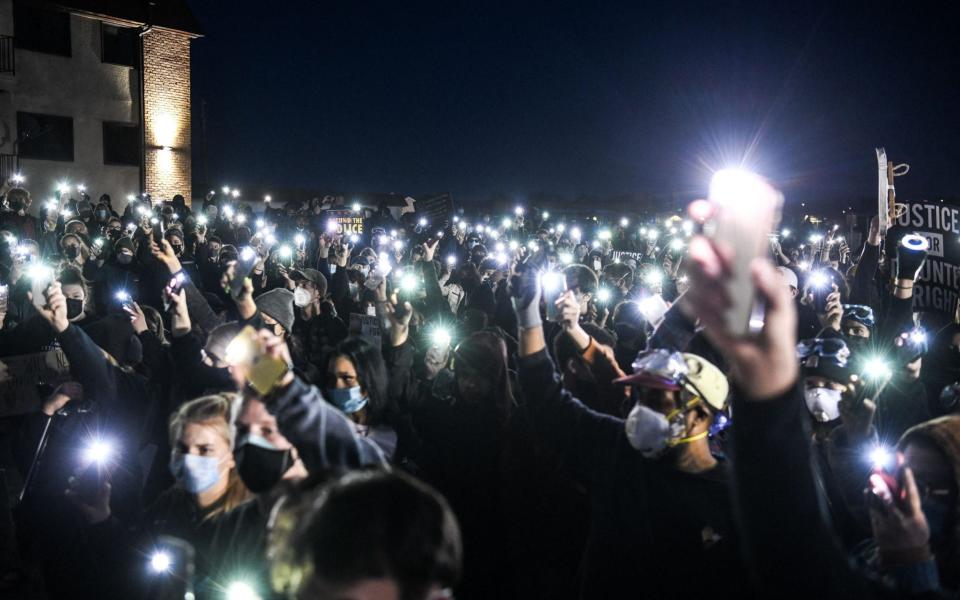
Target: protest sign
367,327
937,286
436,208
348,222
20,375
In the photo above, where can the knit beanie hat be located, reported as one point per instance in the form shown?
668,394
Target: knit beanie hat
278,305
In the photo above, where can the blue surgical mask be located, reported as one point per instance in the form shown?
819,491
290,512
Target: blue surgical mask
349,400
196,474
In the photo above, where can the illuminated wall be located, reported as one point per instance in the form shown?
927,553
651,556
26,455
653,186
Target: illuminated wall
166,97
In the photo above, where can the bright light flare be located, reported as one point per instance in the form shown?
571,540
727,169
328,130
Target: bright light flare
241,590
603,295
440,337
160,562
285,251
880,458
98,451
876,368
551,281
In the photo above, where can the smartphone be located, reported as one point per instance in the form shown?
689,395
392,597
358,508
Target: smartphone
90,480
4,296
552,284
158,233
263,372
821,287
246,260
887,484
746,211
176,285
41,277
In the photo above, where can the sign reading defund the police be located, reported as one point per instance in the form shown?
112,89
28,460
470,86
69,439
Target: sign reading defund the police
347,222
937,286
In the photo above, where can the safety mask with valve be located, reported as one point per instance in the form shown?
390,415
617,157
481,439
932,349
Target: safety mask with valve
697,382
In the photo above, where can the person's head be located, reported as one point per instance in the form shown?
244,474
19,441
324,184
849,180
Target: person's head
72,247
263,455
154,322
368,535
210,211
174,237
630,326
826,370
123,251
75,291
789,279
679,397
311,287
276,311
356,382
480,369
619,276
75,226
19,200
101,213
114,228
201,439
213,247
582,281
932,451
857,322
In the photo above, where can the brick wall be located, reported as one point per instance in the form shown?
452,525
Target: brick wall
166,95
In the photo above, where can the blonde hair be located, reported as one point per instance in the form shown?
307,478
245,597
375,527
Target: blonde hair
216,411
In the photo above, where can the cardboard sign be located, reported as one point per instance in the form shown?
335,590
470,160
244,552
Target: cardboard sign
348,222
937,287
436,208
367,327
20,375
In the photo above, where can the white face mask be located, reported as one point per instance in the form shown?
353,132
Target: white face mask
302,297
647,430
354,288
823,403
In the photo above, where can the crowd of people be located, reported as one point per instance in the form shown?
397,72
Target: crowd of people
261,405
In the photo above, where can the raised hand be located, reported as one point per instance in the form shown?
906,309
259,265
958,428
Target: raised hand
765,365
54,310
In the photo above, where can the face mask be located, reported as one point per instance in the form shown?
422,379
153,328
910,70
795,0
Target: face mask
71,252
102,215
260,465
349,400
856,343
114,233
17,205
124,259
74,308
302,297
194,473
177,249
823,403
354,288
471,244
653,433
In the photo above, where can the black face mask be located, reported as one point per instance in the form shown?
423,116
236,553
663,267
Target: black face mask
17,205
114,233
124,259
71,252
177,249
102,215
261,468
74,308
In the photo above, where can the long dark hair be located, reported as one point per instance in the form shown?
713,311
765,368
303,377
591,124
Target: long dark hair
371,376
486,352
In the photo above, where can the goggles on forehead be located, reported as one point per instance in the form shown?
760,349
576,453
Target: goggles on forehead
665,370
859,313
825,347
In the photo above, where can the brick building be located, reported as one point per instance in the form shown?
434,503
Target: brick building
97,92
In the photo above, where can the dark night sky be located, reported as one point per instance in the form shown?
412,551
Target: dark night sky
602,100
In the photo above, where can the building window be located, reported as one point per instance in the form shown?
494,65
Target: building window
41,30
47,137
119,45
121,144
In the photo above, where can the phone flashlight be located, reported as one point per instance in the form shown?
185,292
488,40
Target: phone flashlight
652,235
285,251
241,590
202,221
551,281
561,228
451,260
356,207
397,245
260,224
876,368
518,211
566,258
653,277
576,234
462,225
624,222
422,222
354,238
235,193
604,234
676,244
98,451
225,189
603,295
880,458
18,178
440,337
160,562
408,283
241,218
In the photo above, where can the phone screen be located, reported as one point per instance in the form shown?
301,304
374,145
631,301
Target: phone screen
747,210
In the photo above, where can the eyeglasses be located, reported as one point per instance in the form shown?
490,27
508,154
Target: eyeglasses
827,347
859,312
